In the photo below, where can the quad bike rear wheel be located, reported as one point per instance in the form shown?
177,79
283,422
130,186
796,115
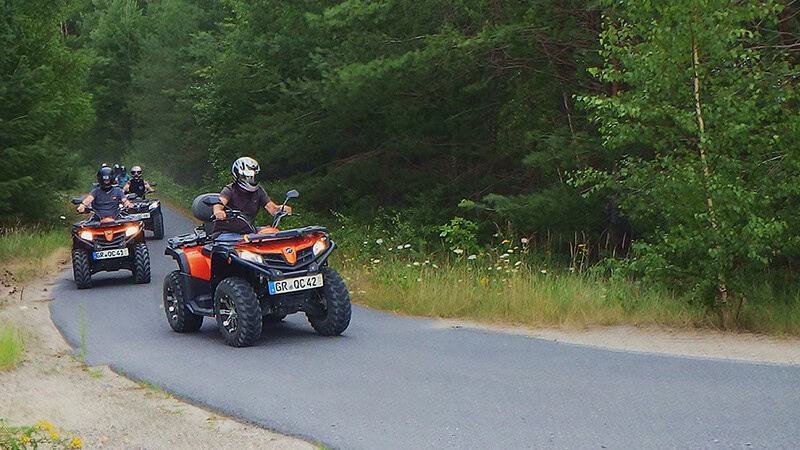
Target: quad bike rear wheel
335,300
81,270
178,315
238,312
158,225
141,263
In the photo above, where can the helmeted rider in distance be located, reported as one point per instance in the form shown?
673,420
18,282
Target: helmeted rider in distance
123,177
106,197
245,195
137,185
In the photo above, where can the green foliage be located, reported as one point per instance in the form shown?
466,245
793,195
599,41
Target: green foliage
589,128
43,107
460,233
706,144
110,32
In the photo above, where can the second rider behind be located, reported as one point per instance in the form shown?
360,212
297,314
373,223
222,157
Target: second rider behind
137,185
244,195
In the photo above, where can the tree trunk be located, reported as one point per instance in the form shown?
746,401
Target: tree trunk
727,314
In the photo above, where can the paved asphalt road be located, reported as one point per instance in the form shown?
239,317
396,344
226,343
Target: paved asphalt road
395,382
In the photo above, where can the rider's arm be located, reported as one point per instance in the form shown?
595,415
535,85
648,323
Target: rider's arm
126,187
86,202
272,208
147,187
127,203
219,210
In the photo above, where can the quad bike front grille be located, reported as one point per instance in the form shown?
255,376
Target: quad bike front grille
304,257
100,241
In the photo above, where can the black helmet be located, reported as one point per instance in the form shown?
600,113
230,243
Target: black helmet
105,178
136,172
116,169
122,169
244,171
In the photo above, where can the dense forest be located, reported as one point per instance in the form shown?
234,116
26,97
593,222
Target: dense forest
660,136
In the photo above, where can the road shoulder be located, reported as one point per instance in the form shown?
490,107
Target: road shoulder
691,343
101,407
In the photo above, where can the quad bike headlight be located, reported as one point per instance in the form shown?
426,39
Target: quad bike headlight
250,256
87,235
320,246
131,230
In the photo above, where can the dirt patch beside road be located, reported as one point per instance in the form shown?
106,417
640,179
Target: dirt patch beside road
102,408
693,343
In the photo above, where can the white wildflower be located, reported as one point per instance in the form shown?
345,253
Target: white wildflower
472,257
543,271
524,240
407,246
458,251
379,241
416,263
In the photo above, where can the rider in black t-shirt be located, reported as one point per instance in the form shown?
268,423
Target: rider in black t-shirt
106,197
244,195
137,185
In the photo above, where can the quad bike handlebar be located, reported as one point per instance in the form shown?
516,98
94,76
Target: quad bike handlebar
233,214
123,211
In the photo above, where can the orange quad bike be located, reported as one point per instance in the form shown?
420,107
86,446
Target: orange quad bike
248,280
108,244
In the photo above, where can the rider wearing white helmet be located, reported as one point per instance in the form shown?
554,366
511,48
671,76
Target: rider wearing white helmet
244,194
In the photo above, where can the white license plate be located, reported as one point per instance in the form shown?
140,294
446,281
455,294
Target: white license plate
295,284
140,216
114,253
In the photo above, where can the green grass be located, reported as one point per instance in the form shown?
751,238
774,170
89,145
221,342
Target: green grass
11,347
527,296
26,252
154,390
540,297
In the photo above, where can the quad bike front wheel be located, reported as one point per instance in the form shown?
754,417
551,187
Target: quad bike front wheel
175,306
81,270
335,300
238,312
158,225
141,263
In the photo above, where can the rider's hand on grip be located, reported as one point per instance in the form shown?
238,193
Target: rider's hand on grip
219,215
81,208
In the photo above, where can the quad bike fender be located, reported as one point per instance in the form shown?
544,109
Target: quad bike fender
189,266
191,262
